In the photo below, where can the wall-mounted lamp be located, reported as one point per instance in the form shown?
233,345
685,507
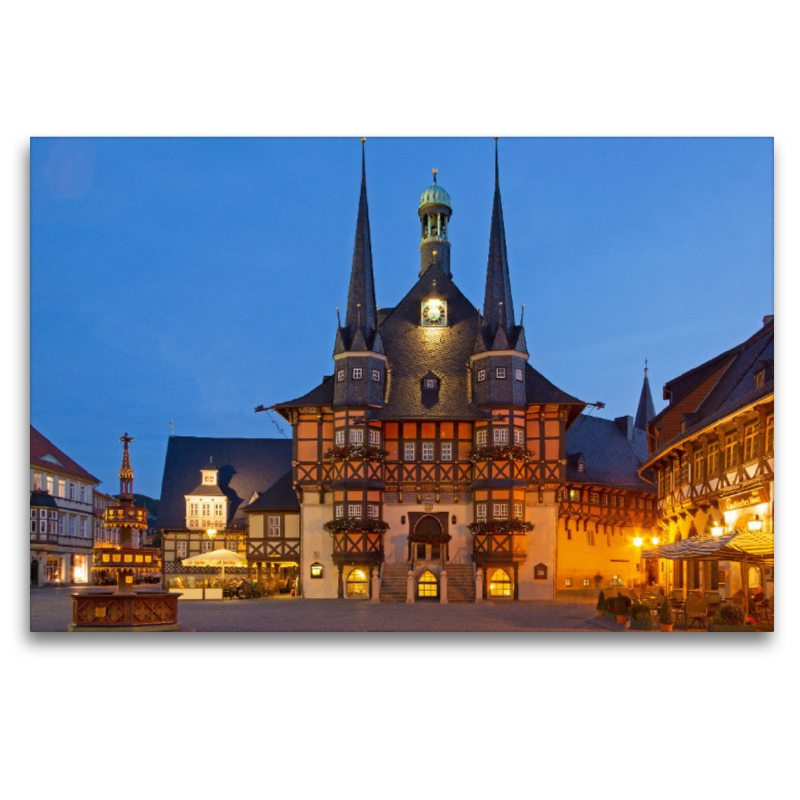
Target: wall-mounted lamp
655,540
316,570
637,541
755,524
717,529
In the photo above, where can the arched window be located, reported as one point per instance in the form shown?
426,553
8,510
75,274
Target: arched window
428,586
500,584
357,583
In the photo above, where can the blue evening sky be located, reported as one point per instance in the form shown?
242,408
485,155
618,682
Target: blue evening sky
193,279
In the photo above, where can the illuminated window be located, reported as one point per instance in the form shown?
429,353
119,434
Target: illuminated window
518,374
376,375
500,435
500,510
684,470
667,480
180,549
585,581
206,545
208,479
356,436
480,511
447,451
518,510
699,465
500,584
481,437
206,509
594,498
731,451
194,509
568,582
589,536
357,373
53,569
217,510
750,437
574,494
758,379
357,584
713,458
372,511
50,483
519,436
354,510
409,451
770,435
273,526
427,451
339,511
428,586
481,375
339,437
340,375
374,437
501,372
62,488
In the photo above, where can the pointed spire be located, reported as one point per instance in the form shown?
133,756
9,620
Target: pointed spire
361,309
498,307
646,410
126,471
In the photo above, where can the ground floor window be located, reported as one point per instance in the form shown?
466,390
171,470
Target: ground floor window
500,584
428,586
180,549
53,569
80,569
357,583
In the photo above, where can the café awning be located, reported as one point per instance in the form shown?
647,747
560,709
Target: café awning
738,545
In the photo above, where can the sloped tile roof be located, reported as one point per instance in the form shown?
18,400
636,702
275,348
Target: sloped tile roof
246,467
279,497
610,458
42,447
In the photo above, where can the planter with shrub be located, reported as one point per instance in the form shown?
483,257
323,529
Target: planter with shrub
666,619
621,606
731,618
641,620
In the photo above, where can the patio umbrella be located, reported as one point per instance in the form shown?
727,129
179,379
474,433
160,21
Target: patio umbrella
215,558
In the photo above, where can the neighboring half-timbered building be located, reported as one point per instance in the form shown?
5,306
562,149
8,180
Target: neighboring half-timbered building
712,455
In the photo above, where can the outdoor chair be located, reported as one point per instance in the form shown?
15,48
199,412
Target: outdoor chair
676,600
695,610
634,596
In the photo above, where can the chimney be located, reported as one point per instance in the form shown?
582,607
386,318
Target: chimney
769,319
625,424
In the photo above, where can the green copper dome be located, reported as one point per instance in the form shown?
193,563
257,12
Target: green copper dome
435,194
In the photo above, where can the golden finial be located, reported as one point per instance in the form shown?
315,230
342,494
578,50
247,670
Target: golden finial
435,173
363,140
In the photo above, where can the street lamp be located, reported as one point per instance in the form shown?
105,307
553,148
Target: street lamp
655,540
637,541
755,524
717,529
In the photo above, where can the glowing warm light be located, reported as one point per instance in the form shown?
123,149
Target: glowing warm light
655,540
212,532
755,524
637,541
717,530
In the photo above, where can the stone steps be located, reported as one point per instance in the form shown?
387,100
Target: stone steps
393,583
460,583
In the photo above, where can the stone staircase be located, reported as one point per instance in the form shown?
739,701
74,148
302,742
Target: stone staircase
393,582
460,583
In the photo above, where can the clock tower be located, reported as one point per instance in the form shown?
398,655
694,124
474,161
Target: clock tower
435,211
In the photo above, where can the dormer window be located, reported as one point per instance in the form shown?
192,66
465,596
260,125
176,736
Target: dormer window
430,383
758,379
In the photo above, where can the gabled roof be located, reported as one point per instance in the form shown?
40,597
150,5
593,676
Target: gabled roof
734,389
411,355
246,467
46,455
279,497
610,457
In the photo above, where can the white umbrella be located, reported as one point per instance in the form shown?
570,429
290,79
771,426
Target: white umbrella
215,558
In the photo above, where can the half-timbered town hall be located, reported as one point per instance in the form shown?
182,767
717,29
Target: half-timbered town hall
435,463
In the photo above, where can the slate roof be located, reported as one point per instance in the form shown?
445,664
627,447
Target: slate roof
42,446
321,395
733,390
610,458
279,497
42,499
646,410
246,467
411,356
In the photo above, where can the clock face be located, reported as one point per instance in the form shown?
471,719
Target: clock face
434,313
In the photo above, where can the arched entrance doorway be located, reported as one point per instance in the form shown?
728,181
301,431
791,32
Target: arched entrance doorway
428,540
35,571
500,584
357,584
428,586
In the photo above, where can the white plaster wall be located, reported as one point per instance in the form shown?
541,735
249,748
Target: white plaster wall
316,544
541,547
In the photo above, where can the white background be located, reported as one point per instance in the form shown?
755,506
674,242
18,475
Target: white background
474,715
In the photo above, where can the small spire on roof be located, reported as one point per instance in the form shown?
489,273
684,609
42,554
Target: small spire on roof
435,173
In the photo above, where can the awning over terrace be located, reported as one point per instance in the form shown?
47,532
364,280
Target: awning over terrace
739,545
